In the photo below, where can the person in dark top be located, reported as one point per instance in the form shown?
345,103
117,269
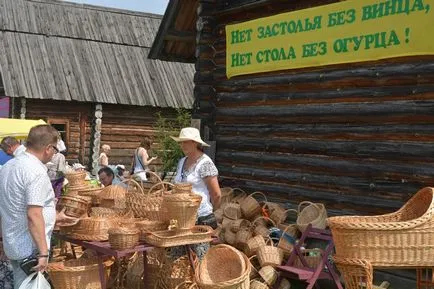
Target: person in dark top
106,176
4,157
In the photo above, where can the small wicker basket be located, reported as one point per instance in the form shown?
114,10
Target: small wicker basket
256,284
250,207
270,256
76,178
123,238
183,208
253,245
147,226
313,213
268,274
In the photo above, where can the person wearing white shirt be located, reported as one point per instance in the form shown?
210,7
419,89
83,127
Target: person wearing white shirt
12,146
27,206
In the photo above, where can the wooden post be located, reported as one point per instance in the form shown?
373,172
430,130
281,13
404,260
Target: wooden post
96,138
23,108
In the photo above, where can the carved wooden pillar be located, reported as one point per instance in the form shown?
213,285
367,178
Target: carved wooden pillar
23,108
96,138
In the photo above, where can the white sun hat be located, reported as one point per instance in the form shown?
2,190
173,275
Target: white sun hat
190,133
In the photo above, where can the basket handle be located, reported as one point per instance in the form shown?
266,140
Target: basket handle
193,285
307,203
159,180
134,182
158,184
269,241
238,189
254,256
265,218
259,193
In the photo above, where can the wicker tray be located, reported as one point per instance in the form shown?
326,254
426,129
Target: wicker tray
404,238
198,234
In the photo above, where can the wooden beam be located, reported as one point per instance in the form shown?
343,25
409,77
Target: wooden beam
177,35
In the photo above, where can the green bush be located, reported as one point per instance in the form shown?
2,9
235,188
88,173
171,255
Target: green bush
169,151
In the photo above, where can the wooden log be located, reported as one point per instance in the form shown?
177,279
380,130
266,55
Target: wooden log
341,95
204,65
355,167
329,75
385,150
333,109
203,77
205,51
371,188
293,195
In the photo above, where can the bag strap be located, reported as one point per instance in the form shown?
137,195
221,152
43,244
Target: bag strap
140,161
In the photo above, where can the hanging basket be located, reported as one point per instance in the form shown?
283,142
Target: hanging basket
313,213
250,207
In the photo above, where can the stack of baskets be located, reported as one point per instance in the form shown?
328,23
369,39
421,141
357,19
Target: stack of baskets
75,206
76,180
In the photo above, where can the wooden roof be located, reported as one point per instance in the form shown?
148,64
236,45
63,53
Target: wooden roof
58,50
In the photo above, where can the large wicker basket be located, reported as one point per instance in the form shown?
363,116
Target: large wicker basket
92,192
77,274
182,208
234,274
113,197
75,206
404,238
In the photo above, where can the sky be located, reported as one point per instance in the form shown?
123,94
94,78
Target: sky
151,6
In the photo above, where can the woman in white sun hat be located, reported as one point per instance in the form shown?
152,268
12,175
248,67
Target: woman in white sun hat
198,169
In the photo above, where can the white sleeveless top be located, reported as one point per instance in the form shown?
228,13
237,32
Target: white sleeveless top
204,167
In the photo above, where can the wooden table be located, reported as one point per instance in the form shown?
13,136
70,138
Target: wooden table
103,249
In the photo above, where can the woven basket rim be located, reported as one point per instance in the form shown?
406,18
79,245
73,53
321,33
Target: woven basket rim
354,223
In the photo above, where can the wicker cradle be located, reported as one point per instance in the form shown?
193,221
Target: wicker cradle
404,238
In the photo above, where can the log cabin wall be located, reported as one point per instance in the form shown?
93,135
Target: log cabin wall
359,138
123,128
77,117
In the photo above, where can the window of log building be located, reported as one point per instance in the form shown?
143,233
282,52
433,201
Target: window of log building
62,127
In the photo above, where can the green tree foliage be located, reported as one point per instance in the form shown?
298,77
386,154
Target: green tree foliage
169,151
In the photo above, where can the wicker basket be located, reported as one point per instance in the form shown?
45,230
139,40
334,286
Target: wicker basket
76,178
355,272
92,192
75,206
230,237
279,214
398,239
227,194
284,243
77,274
253,245
270,256
256,284
165,239
235,273
254,264
147,205
92,229
260,229
182,188
242,237
187,285
239,195
250,207
182,208
112,196
268,274
314,213
123,238
239,224
147,226
285,284
232,211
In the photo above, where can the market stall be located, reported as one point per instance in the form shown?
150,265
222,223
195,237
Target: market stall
18,128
